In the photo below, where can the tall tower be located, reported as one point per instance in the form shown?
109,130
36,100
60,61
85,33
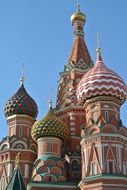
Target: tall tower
20,111
67,107
104,139
79,62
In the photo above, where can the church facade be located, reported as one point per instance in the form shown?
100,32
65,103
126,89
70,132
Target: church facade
79,144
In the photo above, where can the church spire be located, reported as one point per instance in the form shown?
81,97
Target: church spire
16,182
79,56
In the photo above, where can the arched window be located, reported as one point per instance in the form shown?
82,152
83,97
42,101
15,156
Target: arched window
75,165
125,168
33,148
28,132
4,147
110,167
2,183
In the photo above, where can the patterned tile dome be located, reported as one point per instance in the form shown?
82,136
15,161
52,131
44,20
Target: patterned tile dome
21,103
101,81
50,125
46,166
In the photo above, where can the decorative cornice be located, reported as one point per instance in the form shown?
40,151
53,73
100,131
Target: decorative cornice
72,109
89,137
103,98
20,116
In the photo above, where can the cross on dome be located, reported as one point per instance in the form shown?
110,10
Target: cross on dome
78,7
22,76
98,50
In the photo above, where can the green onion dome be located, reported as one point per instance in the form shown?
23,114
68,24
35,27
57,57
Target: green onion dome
21,103
51,126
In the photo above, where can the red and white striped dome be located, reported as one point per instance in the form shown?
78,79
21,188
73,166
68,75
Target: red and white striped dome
101,81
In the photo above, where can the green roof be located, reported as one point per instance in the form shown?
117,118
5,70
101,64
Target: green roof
58,185
16,182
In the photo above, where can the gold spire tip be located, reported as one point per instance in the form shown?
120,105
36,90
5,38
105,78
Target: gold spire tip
17,160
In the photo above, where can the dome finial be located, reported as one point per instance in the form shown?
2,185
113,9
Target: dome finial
50,99
78,8
98,42
98,50
50,103
78,16
21,81
22,76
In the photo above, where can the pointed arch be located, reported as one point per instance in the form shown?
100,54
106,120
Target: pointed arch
92,130
3,178
109,129
75,164
49,178
93,153
110,155
123,131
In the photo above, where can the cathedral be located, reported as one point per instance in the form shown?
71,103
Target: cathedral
81,143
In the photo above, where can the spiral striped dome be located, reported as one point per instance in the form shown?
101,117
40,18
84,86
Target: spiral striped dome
101,81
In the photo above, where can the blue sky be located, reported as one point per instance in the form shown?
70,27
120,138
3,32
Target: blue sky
39,34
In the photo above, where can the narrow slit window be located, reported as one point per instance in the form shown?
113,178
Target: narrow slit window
110,165
106,116
20,131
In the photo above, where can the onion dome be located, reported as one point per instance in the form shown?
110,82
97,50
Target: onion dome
78,16
101,81
21,103
50,125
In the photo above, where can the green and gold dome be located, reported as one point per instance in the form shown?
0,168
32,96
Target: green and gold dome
49,126
78,16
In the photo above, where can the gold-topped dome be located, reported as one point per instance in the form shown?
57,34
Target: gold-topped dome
78,16
51,126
